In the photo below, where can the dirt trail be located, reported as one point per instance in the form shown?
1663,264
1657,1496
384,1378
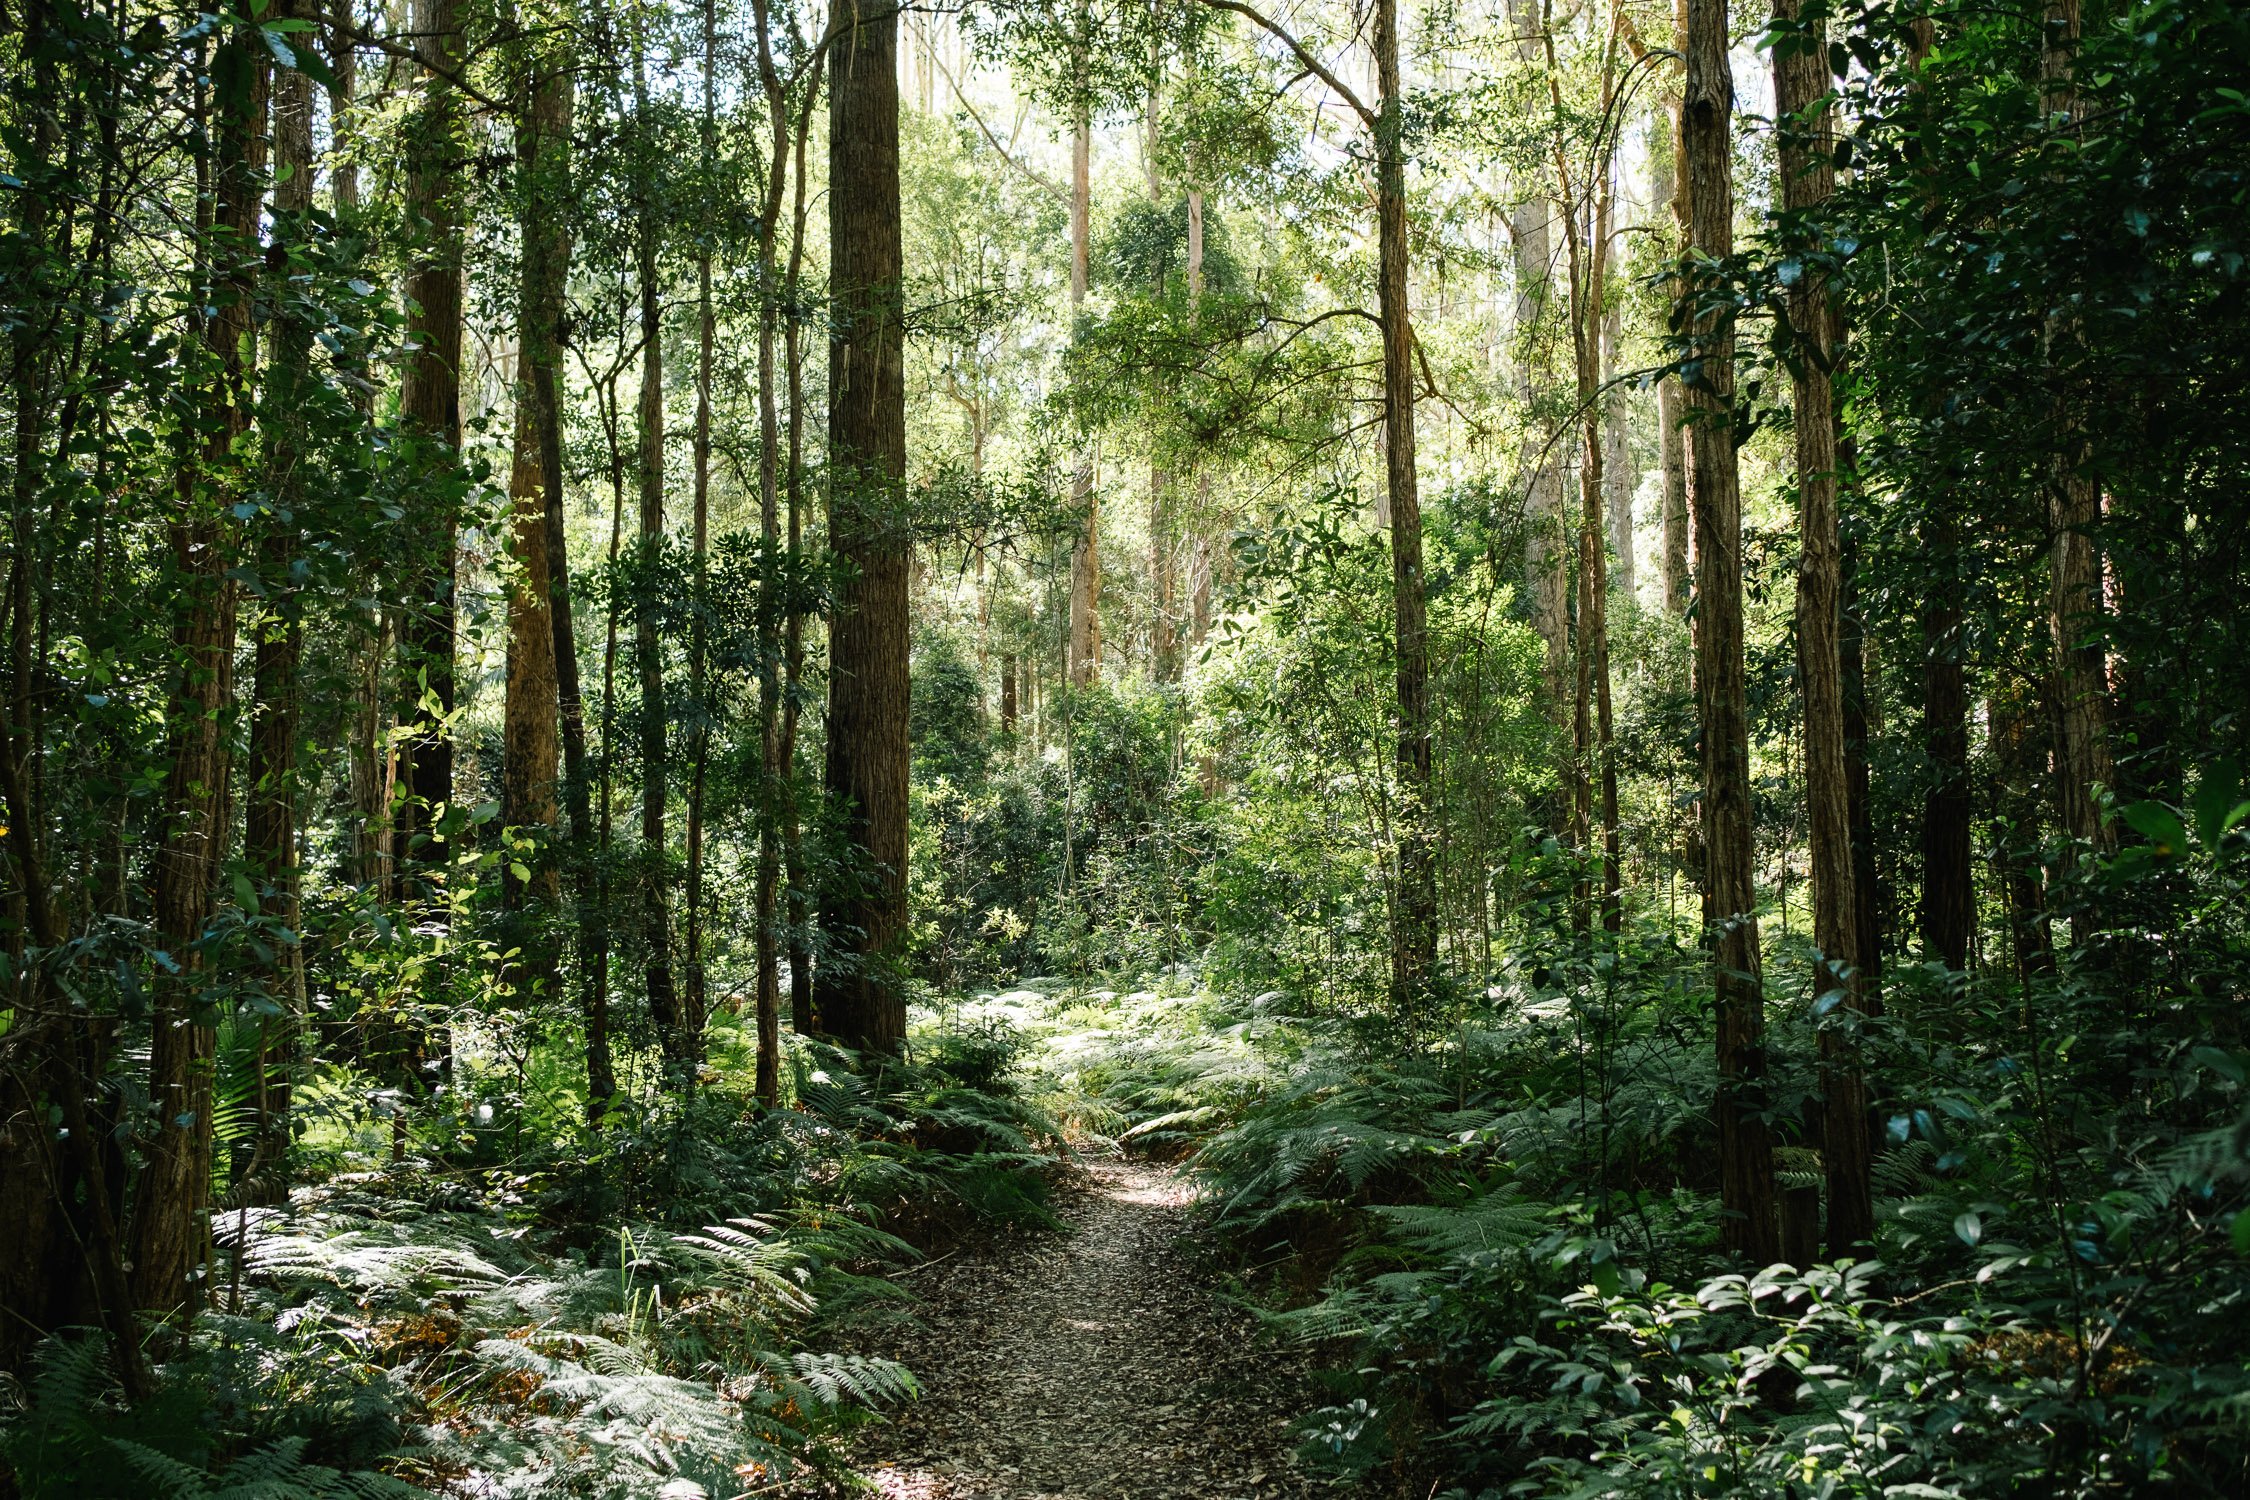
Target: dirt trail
1094,1365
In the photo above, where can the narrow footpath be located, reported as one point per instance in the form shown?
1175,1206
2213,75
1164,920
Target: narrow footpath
1092,1365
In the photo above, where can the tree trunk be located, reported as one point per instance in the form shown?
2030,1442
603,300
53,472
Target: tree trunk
2085,763
531,747
1618,479
859,1000
1808,177
682,1042
766,936
170,1234
1595,771
270,815
1715,500
803,1018
1084,645
430,411
1546,566
1414,912
1671,409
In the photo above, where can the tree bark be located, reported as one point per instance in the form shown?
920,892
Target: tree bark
430,410
1671,409
271,811
803,1018
1414,913
859,999
1546,566
1618,479
1806,128
1084,645
532,716
1715,500
2085,763
682,1040
170,1233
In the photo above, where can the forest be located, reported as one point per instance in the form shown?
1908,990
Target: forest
1125,749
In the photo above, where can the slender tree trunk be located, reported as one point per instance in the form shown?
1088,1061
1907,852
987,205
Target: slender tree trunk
697,1000
430,410
1807,166
1715,500
1670,407
683,1043
170,1233
1595,773
1084,646
803,1017
860,1000
1414,910
270,814
1546,563
1618,479
766,936
2084,761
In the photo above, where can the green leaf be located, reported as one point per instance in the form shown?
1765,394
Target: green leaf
2160,826
1969,1227
245,894
2215,798
2225,1064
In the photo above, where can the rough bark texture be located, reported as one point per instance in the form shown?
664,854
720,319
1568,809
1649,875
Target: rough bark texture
1414,912
1715,497
169,1240
858,998
1808,179
269,835
531,746
429,402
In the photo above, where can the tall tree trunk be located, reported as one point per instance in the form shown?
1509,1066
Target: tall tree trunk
1414,909
1670,408
1595,774
1546,564
803,1017
2085,762
531,725
270,815
859,1000
169,1239
430,411
697,999
766,936
1163,644
1808,176
1083,647
1715,500
682,1043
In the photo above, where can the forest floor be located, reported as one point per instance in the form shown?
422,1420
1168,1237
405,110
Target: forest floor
1093,1364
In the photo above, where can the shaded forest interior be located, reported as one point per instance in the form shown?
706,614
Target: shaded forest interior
1578,663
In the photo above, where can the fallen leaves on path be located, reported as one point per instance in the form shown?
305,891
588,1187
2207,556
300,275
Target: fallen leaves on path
1094,1365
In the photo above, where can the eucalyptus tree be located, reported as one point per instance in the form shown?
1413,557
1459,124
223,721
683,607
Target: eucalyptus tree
1707,320
857,992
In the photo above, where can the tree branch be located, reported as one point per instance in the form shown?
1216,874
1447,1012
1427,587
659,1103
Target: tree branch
1313,65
